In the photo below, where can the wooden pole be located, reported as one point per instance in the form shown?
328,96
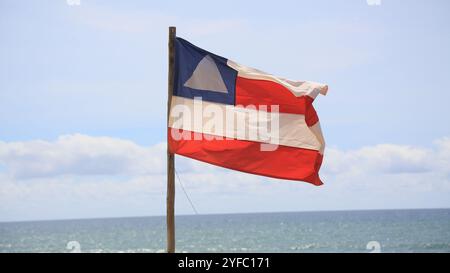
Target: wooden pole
170,156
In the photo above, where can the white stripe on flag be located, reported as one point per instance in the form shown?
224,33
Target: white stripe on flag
202,117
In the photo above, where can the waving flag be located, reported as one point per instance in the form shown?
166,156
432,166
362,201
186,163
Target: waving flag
243,119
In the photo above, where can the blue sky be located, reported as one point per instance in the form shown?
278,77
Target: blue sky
75,80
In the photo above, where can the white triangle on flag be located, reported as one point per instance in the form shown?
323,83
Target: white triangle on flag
207,76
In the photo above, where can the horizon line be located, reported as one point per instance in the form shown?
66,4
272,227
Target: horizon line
219,213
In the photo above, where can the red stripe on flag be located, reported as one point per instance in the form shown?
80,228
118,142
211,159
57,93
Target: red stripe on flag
264,92
311,116
245,156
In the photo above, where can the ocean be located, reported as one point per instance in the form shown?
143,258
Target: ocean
332,231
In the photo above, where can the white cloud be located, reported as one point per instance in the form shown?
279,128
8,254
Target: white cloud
386,168
382,158
84,176
80,155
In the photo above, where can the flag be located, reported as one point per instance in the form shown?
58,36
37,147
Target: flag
241,118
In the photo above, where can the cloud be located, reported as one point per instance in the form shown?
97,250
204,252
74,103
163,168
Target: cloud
382,158
387,168
80,155
84,176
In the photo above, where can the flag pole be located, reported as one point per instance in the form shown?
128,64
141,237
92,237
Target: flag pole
170,217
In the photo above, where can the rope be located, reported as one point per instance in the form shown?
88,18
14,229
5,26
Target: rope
185,193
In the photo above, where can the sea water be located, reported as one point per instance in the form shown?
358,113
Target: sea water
334,231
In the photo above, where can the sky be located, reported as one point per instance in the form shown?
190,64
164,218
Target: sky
83,90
